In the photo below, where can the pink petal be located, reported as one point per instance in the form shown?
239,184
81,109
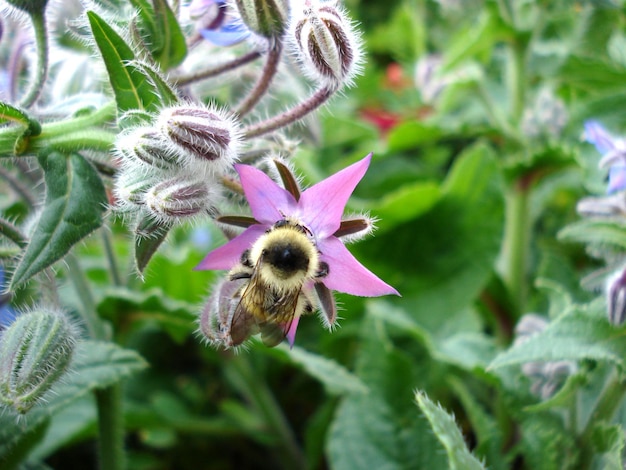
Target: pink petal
291,334
268,201
347,275
323,203
228,255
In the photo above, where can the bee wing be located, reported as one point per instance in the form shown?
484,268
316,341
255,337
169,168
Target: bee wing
244,322
277,326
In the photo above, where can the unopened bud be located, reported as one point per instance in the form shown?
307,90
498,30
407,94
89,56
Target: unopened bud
616,298
130,190
146,145
203,136
326,42
216,317
35,351
179,198
529,325
266,18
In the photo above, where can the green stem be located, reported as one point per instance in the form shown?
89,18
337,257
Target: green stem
95,326
517,243
69,135
38,20
606,406
110,256
517,80
256,391
108,400
111,428
12,233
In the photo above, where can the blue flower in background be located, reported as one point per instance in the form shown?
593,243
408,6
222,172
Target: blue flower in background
7,314
216,24
613,150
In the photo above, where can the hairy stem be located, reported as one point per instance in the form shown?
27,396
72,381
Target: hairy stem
214,71
290,116
262,85
11,232
41,67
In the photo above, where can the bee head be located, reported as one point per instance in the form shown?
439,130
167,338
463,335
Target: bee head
287,259
286,256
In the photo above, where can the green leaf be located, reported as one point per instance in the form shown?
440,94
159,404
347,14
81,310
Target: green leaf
447,431
383,429
412,134
442,259
166,92
9,112
406,203
609,441
95,365
600,231
337,380
132,89
75,202
160,32
175,317
583,333
174,49
149,235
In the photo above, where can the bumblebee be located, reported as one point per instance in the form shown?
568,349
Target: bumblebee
279,271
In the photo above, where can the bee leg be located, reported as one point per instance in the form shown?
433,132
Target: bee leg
245,259
322,269
240,275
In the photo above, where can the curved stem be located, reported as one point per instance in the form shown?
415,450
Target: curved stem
20,188
290,116
13,233
41,67
69,135
262,85
214,71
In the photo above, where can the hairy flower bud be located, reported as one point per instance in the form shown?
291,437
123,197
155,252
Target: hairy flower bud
326,42
178,198
147,145
616,298
35,351
205,137
216,317
130,190
267,18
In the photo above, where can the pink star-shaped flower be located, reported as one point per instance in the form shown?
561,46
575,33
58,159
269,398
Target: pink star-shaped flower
320,209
